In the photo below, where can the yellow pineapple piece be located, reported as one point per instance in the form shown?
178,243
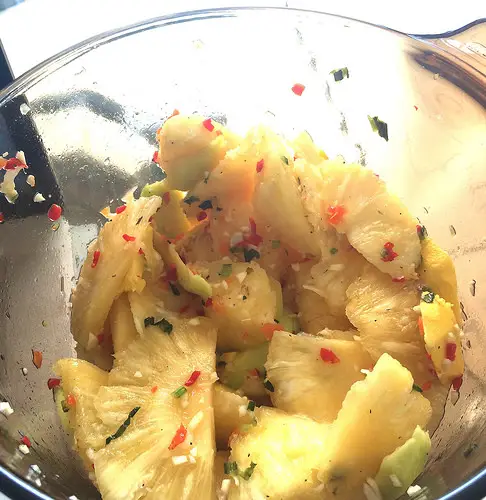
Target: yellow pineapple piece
438,272
167,447
305,148
378,414
311,374
81,382
116,268
122,327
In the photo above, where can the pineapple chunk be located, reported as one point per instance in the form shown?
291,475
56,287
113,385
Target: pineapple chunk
306,381
287,449
242,302
305,148
442,337
81,381
230,412
378,414
371,218
116,270
198,245
400,469
122,327
438,272
188,150
147,460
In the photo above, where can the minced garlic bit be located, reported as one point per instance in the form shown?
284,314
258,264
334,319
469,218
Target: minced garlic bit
415,488
336,267
6,409
224,284
395,481
138,374
39,198
242,410
24,371
296,267
225,486
30,180
178,460
24,108
35,468
194,321
73,497
241,276
195,420
23,448
193,451
192,460
416,309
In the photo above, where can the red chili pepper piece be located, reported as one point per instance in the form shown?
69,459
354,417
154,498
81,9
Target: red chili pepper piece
25,440
2,218
192,379
166,198
53,382
13,163
54,212
421,330
171,273
328,356
96,258
174,113
141,252
155,157
37,359
259,166
209,302
154,389
120,209
416,108
388,254
298,88
335,214
456,383
126,237
400,279
207,124
179,437
254,373
269,329
201,216
426,386
100,337
71,400
451,348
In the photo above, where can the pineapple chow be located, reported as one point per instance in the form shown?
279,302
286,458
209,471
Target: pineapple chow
264,323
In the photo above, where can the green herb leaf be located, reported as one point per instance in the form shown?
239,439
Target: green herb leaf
428,297
250,254
244,297
417,388
165,325
333,251
379,126
123,427
226,270
174,289
285,160
179,392
149,321
275,243
230,468
340,74
251,406
206,205
191,199
268,385
247,473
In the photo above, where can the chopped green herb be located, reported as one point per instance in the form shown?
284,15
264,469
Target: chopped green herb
226,270
340,74
44,323
417,388
219,209
422,232
165,326
428,297
246,474
230,468
379,126
65,406
275,243
206,178
244,297
206,205
123,427
149,321
251,406
191,199
333,251
174,289
285,160
250,254
179,392
268,385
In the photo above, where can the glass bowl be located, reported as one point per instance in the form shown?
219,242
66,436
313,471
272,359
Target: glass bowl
86,120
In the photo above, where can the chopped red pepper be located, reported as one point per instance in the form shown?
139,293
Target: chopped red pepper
218,132
451,348
456,383
209,302
298,88
53,382
400,279
166,198
421,329
25,440
179,437
154,389
37,359
155,157
328,356
54,212
426,385
71,400
335,214
127,238
2,218
416,108
174,113
96,258
207,124
100,337
13,163
192,379
388,254
184,309
120,209
259,166
254,373
171,273
201,216
269,329
141,252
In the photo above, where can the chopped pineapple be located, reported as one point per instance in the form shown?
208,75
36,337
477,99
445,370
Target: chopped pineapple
81,382
230,412
311,375
378,414
114,271
442,337
400,469
198,245
287,450
122,327
167,447
377,223
305,148
438,272
190,147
